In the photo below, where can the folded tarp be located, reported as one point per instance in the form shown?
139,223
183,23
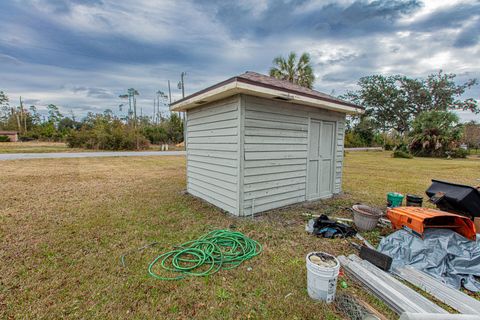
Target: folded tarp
442,253
436,316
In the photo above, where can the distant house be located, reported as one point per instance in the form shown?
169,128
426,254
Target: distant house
256,143
13,135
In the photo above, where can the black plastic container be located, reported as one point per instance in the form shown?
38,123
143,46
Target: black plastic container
456,198
414,201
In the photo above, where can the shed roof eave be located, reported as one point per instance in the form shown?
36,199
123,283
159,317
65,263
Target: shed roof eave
233,86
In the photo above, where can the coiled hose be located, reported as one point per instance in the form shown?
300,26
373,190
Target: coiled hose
212,252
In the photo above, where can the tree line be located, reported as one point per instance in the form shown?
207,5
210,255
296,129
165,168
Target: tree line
413,115
410,115
103,131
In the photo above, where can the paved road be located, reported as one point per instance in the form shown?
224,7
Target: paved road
365,149
58,155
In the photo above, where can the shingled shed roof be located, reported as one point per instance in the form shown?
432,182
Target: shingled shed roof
257,84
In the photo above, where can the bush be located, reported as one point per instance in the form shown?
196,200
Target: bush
352,140
401,147
4,139
116,140
107,134
389,146
457,153
169,130
435,133
156,134
391,140
402,154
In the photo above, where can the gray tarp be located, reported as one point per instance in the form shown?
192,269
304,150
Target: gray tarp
443,253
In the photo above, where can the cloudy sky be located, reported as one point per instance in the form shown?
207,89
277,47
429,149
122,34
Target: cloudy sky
81,54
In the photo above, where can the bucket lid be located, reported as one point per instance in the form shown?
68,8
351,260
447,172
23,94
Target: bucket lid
322,259
414,197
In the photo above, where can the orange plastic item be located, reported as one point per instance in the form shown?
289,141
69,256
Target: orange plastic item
417,219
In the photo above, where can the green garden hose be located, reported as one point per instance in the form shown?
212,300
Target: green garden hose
214,251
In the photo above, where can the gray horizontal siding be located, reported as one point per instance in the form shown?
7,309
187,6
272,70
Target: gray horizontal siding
247,154
213,153
275,152
276,140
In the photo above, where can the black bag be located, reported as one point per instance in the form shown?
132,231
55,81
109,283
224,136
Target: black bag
324,227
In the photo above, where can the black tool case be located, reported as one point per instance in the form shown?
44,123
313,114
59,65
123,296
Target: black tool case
455,198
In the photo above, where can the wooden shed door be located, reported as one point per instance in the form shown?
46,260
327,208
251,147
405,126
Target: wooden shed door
320,159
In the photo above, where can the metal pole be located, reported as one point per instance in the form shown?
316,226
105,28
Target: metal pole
169,93
158,106
183,84
184,113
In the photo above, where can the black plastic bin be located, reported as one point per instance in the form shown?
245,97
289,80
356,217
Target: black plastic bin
458,198
414,201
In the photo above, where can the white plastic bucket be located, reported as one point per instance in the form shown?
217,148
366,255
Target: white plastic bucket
322,281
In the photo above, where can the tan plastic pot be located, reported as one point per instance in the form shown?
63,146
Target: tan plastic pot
365,217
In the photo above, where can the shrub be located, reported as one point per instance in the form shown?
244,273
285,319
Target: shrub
353,140
115,140
401,147
107,134
388,146
435,133
402,154
4,139
44,132
391,140
458,153
156,134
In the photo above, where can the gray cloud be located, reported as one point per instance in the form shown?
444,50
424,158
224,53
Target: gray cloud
330,20
65,6
469,36
448,17
99,93
339,57
31,102
81,55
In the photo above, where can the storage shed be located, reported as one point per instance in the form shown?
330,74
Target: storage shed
256,143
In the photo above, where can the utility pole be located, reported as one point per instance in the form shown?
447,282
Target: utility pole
158,93
129,106
181,85
169,93
153,116
19,126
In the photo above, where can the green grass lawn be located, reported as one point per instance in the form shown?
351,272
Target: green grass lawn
64,223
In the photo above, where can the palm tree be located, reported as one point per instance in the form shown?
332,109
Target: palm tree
299,72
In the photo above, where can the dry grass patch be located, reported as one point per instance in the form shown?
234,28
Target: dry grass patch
48,147
66,222
35,147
